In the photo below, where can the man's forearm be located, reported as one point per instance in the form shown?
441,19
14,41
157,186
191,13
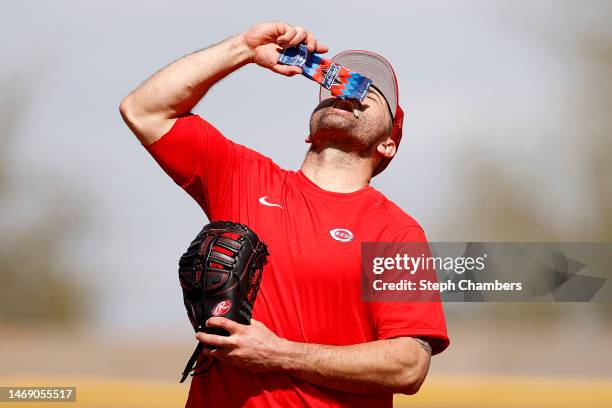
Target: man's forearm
395,365
177,88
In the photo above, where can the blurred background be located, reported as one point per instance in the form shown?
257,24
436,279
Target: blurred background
508,137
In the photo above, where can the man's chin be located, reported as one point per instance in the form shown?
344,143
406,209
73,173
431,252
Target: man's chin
334,121
332,126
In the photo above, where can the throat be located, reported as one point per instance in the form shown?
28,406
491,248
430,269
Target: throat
337,171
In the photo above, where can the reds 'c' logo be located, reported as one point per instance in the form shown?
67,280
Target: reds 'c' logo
222,308
341,234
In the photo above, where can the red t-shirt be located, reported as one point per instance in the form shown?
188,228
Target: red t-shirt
311,287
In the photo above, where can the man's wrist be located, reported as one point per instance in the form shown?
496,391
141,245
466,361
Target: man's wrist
287,355
243,49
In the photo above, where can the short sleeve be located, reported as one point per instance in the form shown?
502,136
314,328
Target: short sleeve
198,158
411,319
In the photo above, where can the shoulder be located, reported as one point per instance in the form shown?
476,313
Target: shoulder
402,224
245,156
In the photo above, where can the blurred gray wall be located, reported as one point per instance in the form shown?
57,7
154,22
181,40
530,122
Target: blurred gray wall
507,131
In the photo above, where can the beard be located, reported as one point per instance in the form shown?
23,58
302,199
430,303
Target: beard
330,125
340,129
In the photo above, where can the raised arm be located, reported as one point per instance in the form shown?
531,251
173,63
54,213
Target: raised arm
151,109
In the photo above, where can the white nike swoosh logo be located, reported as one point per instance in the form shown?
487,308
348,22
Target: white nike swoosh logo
262,200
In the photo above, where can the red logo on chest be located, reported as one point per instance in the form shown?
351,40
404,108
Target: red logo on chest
341,234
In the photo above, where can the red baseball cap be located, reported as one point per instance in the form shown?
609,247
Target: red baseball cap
380,71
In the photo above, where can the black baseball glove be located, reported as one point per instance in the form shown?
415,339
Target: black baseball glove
220,275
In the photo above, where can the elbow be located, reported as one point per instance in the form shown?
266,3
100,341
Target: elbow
134,119
410,384
146,125
126,109
412,376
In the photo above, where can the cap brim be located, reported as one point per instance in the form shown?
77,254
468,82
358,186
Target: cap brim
374,67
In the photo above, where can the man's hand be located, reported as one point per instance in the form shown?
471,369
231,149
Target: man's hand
252,347
266,41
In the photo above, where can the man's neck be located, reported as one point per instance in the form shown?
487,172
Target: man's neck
334,170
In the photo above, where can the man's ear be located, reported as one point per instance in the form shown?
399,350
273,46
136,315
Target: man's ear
387,148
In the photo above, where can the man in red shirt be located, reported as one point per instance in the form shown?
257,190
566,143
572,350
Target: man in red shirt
313,341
